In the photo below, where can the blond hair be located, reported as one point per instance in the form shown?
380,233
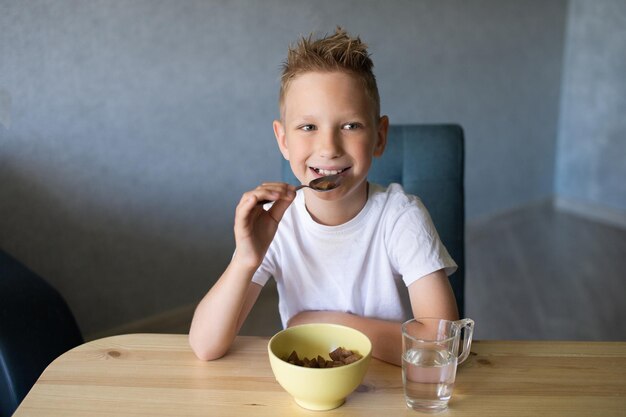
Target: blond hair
336,52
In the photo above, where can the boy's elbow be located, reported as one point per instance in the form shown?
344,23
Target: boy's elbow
206,352
206,355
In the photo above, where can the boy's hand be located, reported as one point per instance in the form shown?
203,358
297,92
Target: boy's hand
254,226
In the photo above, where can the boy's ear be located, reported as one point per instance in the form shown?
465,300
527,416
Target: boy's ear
381,140
279,132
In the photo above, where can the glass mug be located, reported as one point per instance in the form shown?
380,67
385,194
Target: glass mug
430,355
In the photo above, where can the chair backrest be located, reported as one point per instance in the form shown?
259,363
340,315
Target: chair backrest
428,160
36,326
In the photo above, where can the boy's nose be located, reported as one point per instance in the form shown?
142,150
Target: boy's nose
329,144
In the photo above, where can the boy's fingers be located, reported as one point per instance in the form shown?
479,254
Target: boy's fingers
277,187
273,192
283,185
279,192
242,212
280,206
259,194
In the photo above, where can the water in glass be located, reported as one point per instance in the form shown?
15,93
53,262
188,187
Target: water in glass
428,377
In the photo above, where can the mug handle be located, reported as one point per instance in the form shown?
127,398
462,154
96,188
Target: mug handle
468,324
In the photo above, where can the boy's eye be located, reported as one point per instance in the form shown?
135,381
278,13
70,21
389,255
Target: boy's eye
351,126
307,128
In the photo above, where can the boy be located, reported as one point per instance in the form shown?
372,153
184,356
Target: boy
340,256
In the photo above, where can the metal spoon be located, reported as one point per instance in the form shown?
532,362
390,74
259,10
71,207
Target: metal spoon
327,183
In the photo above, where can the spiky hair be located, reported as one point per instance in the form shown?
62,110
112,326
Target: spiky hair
331,53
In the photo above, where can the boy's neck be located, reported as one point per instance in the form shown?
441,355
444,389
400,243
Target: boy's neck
336,212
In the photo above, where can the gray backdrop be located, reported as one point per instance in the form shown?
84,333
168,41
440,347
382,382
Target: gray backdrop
591,164
130,128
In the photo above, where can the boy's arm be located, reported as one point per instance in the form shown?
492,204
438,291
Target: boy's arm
224,308
431,296
221,313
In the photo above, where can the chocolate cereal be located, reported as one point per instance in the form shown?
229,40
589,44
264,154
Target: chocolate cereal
338,357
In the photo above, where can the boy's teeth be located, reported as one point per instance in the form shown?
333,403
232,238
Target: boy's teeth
328,171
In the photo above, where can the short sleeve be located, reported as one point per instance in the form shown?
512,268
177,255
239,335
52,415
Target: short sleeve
415,248
265,270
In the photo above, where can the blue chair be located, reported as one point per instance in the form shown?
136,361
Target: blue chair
36,326
428,160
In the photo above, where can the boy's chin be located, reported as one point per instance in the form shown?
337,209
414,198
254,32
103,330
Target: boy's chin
333,195
345,190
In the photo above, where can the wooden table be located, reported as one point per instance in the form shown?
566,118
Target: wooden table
158,375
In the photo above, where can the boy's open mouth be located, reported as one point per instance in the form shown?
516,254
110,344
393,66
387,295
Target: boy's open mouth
325,172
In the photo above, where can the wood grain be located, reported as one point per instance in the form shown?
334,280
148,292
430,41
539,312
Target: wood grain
158,375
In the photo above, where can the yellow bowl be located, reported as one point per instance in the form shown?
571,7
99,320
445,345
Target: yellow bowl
318,388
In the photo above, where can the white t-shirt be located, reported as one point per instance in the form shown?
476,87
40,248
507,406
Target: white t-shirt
361,267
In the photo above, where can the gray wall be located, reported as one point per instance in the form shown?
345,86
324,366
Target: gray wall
129,129
591,168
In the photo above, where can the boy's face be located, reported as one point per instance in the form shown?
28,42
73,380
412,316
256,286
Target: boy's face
329,126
